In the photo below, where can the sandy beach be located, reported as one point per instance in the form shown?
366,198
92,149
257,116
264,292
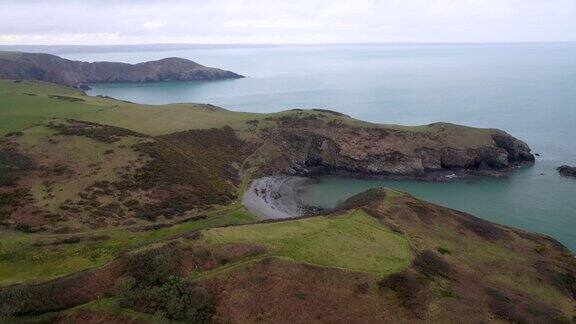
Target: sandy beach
274,197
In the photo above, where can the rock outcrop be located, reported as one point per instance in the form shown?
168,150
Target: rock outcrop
305,146
567,171
51,68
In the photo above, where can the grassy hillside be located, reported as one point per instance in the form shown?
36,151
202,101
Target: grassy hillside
93,157
26,258
384,256
354,241
115,211
26,102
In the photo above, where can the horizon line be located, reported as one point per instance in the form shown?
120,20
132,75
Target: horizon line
296,43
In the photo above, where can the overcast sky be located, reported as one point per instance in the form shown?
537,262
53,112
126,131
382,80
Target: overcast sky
283,21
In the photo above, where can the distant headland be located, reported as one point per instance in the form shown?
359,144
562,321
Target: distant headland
52,68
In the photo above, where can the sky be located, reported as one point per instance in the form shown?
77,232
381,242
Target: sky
83,22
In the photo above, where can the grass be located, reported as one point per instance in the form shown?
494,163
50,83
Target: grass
87,173
354,241
21,261
37,88
86,157
18,110
104,306
29,102
527,284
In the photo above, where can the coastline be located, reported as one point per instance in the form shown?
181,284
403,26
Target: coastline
275,197
279,196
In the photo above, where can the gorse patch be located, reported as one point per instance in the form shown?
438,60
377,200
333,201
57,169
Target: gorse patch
155,287
13,165
102,133
409,289
193,168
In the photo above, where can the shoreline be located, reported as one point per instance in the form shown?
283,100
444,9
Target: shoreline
278,197
275,197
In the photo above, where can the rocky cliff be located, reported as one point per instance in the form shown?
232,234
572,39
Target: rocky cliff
51,68
300,144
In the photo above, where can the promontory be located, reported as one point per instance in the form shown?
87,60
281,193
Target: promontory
52,68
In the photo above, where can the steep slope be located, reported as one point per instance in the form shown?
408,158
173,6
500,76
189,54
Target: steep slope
319,141
383,256
113,211
95,162
51,68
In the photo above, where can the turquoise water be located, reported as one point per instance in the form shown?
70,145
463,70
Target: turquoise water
528,90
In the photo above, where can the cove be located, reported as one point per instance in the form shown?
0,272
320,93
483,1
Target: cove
522,200
524,89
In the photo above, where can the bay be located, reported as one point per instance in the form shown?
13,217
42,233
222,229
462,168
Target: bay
529,90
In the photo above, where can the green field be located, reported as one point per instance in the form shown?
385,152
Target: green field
22,259
354,241
25,103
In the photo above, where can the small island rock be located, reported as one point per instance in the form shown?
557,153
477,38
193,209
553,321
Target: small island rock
567,171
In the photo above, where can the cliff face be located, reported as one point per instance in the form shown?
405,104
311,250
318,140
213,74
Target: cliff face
303,146
51,68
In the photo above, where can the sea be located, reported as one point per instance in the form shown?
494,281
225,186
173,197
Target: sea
526,89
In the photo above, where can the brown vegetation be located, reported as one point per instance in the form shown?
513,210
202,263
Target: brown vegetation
187,171
156,177
102,133
277,291
63,293
479,265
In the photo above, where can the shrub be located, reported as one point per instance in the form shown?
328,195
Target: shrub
431,264
101,133
362,288
12,166
176,299
157,289
569,282
504,307
408,288
67,98
153,267
442,250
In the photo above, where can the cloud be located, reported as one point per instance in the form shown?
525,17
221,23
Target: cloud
154,24
262,21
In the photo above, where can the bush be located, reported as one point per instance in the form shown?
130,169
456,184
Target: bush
431,264
362,288
13,165
408,288
569,282
442,250
157,289
101,133
176,299
153,267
